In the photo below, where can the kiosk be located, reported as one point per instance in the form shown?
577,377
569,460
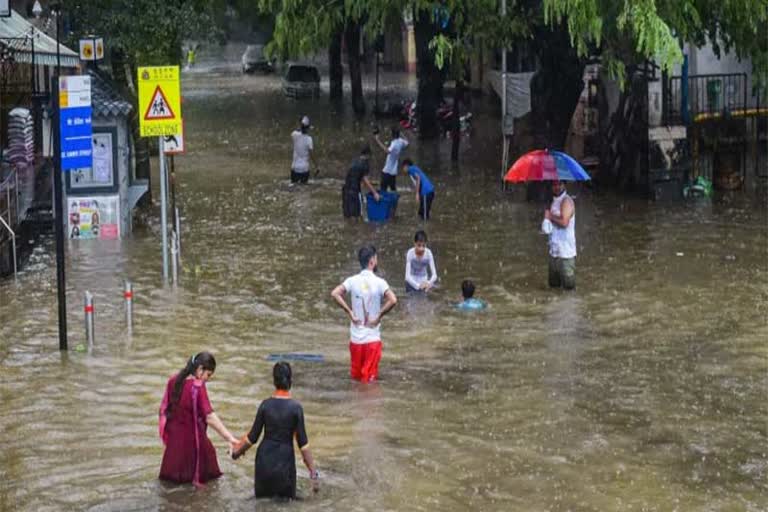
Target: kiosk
99,201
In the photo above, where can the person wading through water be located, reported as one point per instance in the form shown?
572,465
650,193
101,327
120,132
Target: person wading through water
185,414
351,191
281,418
366,291
562,238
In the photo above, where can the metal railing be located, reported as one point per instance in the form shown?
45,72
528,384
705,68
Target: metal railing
9,211
708,96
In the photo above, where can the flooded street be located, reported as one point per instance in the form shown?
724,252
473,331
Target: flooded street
643,390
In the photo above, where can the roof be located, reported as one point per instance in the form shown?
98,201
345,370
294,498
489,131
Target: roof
16,33
106,101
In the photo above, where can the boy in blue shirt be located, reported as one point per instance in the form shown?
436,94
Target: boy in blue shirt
470,303
425,191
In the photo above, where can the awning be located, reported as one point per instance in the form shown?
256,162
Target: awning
16,33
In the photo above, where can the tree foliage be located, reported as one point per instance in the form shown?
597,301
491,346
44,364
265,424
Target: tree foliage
148,32
628,31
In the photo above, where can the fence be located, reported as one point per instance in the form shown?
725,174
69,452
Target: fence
9,213
704,96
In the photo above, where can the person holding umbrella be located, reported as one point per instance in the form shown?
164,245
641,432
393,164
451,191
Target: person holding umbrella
562,238
560,218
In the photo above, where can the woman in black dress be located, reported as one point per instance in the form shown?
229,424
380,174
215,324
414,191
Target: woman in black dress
282,419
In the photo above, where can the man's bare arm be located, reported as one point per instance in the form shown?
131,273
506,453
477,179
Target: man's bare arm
566,213
338,295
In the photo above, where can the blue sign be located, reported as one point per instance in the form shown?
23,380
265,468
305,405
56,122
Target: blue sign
76,135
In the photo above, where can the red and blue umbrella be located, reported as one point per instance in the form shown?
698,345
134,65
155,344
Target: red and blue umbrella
546,165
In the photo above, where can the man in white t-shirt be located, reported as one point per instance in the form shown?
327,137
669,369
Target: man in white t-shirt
391,166
302,152
366,291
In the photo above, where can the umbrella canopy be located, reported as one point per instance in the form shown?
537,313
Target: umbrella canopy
546,165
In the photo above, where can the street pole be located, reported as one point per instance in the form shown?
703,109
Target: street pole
34,71
504,102
173,188
164,208
58,200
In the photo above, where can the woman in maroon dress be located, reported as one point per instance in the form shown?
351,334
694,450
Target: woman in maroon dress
185,415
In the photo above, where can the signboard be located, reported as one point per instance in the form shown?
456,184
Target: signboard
159,101
5,8
75,122
174,144
94,218
92,48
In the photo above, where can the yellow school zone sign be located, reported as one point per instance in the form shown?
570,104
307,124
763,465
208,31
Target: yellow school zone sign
159,101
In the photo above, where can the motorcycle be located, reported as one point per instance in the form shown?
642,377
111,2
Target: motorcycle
409,119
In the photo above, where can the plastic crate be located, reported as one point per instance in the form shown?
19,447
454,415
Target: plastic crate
383,209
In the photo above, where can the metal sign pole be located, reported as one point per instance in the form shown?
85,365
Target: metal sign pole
164,209
173,187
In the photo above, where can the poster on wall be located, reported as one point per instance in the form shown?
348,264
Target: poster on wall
94,217
101,175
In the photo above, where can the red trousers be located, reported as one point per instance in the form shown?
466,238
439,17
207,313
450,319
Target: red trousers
364,360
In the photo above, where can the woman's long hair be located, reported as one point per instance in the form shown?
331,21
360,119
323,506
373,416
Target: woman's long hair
204,359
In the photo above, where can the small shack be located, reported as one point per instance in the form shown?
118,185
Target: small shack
100,200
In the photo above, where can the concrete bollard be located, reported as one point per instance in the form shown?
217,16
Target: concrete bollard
128,296
174,258
89,321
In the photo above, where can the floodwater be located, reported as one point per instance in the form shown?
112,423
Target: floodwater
644,389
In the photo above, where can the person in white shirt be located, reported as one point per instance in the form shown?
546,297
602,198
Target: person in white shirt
396,146
562,238
420,271
302,153
366,291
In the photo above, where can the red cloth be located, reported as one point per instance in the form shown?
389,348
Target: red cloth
364,360
189,454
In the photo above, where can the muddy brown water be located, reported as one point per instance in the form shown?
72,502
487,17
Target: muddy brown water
645,389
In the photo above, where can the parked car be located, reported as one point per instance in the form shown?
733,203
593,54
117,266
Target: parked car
255,60
301,81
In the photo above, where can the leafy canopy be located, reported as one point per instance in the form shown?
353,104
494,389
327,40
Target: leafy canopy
149,32
632,30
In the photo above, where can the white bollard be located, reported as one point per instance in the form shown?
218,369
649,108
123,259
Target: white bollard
128,296
178,233
89,320
174,258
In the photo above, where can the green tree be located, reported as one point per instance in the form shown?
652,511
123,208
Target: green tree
622,34
625,35
305,27
462,28
143,33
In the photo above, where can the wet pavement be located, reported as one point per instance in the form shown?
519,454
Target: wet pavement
645,389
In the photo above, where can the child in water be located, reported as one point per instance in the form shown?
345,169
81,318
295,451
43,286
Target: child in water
469,302
420,271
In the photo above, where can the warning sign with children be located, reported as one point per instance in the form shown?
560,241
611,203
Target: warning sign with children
159,101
